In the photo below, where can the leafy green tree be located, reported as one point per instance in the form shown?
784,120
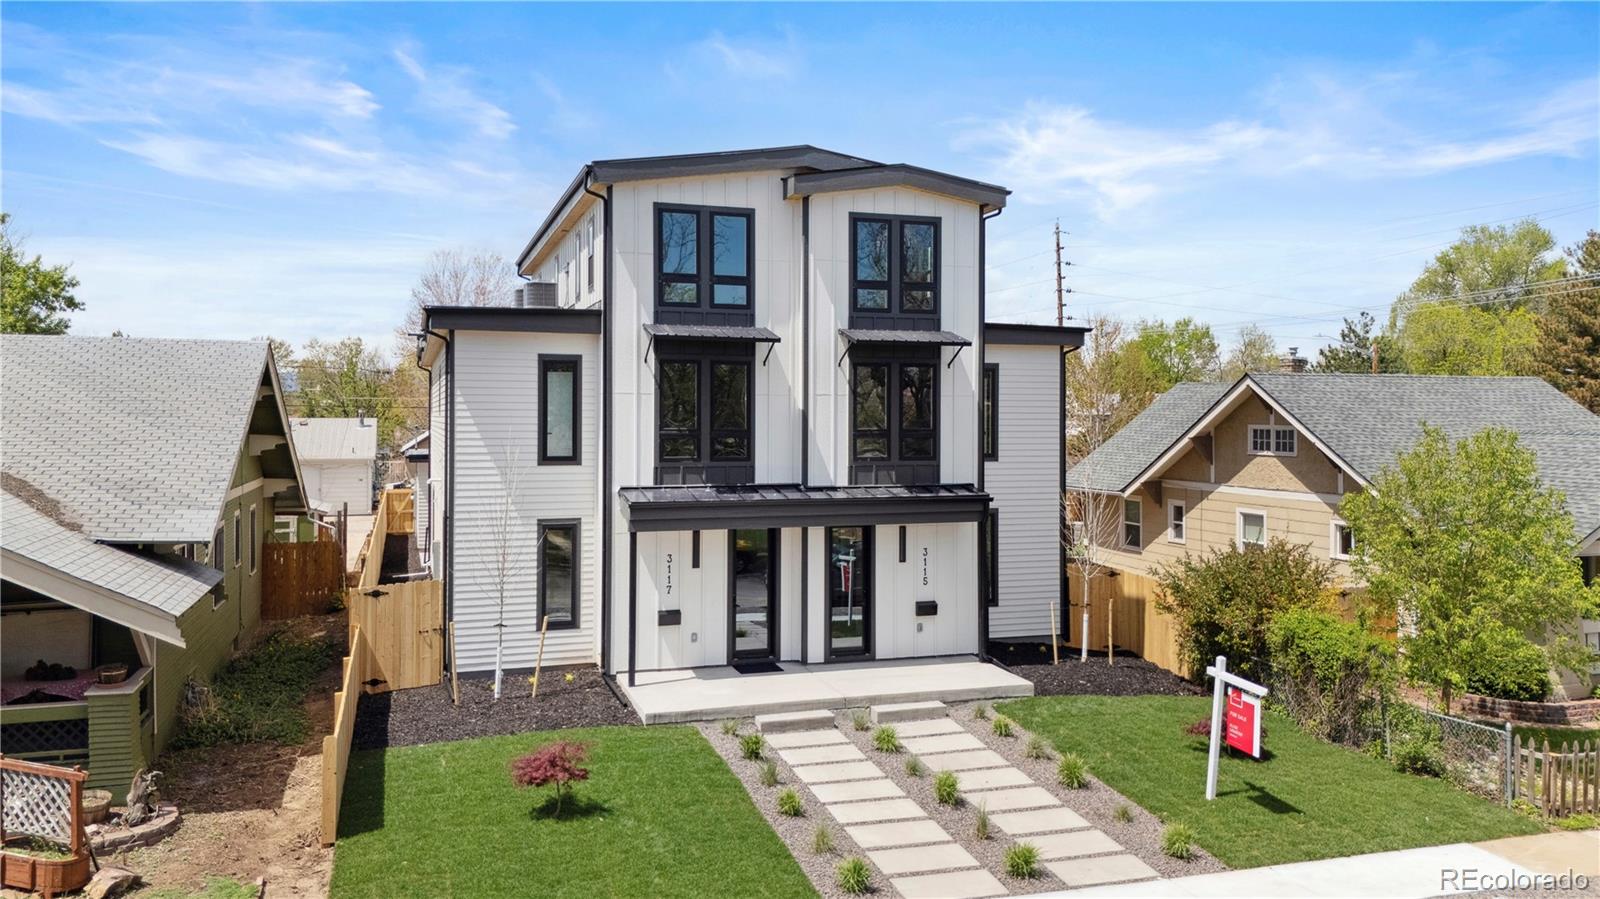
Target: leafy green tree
346,379
1491,266
1471,550
1255,351
1109,382
1185,350
1353,353
34,298
1457,339
1225,601
1569,331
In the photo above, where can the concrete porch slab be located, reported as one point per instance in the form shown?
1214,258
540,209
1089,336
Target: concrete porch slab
705,694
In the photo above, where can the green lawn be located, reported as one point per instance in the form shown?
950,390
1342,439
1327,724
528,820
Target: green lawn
661,815
1307,800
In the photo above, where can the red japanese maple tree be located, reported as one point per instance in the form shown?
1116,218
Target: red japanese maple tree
559,764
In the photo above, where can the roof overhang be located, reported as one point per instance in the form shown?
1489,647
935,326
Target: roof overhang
751,334
649,509
1001,333
545,319
853,336
91,597
1236,395
988,196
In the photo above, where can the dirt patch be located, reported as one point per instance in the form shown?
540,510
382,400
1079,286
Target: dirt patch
575,697
1125,676
250,810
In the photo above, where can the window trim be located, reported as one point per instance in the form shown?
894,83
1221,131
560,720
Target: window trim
238,540
1238,517
893,409
590,260
1183,526
1123,537
990,417
705,277
991,559
546,362
895,285
1272,440
705,432
576,526
255,532
1334,552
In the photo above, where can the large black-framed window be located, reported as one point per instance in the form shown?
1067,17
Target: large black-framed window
705,258
894,415
705,416
894,265
850,591
558,573
991,411
560,405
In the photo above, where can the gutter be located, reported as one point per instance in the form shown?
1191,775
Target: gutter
805,421
604,611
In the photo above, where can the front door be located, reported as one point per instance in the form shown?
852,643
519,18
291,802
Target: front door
849,593
752,558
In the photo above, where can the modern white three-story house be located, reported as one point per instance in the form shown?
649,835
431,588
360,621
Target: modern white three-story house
746,410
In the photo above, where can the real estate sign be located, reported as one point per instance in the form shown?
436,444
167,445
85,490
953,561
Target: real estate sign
1243,701
1243,716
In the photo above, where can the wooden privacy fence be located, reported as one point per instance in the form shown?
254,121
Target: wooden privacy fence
336,746
1560,782
399,510
300,578
1137,625
403,625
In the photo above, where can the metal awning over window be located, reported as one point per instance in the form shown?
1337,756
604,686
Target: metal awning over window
691,508
750,334
853,337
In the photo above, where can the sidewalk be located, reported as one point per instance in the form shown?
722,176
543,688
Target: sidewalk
1404,874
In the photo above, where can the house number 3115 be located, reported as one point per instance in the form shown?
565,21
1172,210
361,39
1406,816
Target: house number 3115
924,566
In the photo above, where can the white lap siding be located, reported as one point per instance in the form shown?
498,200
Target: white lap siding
1021,481
497,460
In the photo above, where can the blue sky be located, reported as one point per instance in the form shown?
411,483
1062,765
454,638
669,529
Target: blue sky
239,170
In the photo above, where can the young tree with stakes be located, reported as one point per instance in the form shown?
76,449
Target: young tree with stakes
507,553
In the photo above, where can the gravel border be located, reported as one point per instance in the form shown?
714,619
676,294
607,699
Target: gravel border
427,714
796,833
1097,803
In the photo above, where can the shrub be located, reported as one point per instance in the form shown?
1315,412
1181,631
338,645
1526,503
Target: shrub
1022,860
1223,602
914,766
558,764
947,788
1326,672
822,840
1506,665
1177,841
1583,821
730,727
769,774
885,739
860,719
789,804
1202,729
1419,755
980,828
1122,814
1072,771
259,697
750,746
1001,726
854,876
1037,748
980,712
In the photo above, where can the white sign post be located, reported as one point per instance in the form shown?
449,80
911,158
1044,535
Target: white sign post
1221,681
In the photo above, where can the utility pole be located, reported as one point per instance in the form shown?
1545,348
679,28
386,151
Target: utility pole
1061,290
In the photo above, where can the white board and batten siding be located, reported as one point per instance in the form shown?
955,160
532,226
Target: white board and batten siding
496,447
1029,447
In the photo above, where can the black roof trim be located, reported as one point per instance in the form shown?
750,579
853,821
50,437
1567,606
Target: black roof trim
710,332
790,505
991,196
548,319
853,336
799,156
1033,335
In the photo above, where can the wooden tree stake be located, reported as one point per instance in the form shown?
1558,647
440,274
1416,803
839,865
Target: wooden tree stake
544,628
455,666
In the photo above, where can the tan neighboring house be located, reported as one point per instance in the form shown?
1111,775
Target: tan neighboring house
1273,455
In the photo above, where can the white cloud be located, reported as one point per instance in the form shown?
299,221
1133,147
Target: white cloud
444,90
748,57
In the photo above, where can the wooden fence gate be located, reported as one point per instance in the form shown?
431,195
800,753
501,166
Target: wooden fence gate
300,578
1564,781
404,629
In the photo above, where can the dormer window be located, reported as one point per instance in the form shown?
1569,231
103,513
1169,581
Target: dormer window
704,258
1272,440
894,265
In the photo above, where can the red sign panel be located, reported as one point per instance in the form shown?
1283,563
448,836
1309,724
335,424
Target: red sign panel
1243,718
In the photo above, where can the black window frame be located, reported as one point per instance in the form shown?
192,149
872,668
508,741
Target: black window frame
989,412
896,432
707,358
705,277
548,362
869,634
576,527
896,285
991,558
590,259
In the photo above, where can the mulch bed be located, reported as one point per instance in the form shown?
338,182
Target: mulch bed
426,714
1127,676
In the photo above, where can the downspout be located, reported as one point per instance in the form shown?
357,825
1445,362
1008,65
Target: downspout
449,494
449,483
1065,599
805,420
983,537
605,429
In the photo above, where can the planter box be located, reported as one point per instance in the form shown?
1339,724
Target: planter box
44,875
1575,711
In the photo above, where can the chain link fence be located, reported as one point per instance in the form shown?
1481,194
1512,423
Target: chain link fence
1477,757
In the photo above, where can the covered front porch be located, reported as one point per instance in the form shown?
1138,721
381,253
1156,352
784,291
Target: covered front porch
703,694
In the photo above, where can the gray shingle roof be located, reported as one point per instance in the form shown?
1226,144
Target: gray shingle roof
1121,458
335,439
168,583
136,438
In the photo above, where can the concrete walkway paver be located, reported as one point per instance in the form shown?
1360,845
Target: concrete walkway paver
1012,800
962,761
927,728
837,771
897,833
856,790
1020,824
1079,872
812,755
1071,844
993,779
875,810
973,884
799,738
917,859
941,743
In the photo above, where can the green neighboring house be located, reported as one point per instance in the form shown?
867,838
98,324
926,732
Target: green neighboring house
139,479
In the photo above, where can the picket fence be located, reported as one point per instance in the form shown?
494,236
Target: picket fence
1561,782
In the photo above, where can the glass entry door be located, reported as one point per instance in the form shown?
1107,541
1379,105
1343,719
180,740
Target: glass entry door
849,592
755,594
